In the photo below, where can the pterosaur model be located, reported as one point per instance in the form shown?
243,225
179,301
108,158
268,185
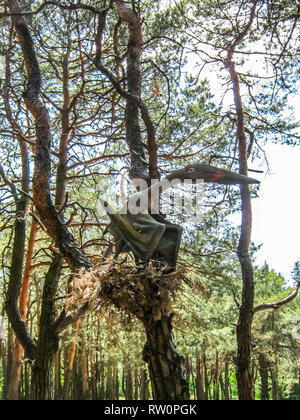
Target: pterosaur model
151,236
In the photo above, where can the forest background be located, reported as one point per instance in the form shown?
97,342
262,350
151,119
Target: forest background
187,84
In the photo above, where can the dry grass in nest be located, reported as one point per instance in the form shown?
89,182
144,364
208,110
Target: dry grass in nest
142,290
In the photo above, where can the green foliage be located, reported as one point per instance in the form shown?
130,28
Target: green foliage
182,66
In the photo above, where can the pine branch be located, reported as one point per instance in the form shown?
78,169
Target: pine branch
276,305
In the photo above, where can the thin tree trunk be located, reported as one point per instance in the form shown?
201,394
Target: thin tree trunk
102,387
227,382
3,364
216,381
23,301
27,371
275,386
193,381
145,394
84,367
94,382
71,357
136,383
199,378
57,389
128,383
8,363
244,324
219,373
264,377
76,391
116,383
188,374
205,377
109,381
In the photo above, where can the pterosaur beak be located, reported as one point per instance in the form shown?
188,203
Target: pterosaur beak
221,176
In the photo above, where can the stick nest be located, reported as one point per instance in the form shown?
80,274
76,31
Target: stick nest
141,290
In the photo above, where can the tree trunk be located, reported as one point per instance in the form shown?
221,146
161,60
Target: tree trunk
166,366
219,368
227,383
101,380
23,301
145,394
71,357
199,378
244,325
205,376
8,362
57,389
27,381
116,383
128,383
15,280
188,374
243,330
275,387
109,381
84,367
15,372
216,379
47,344
94,383
264,377
136,383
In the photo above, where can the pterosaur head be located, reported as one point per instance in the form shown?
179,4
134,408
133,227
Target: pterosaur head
211,174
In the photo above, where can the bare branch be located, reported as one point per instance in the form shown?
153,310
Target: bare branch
276,305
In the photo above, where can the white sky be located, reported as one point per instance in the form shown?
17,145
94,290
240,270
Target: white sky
276,213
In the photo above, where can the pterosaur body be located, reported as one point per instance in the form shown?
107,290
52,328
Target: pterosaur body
151,236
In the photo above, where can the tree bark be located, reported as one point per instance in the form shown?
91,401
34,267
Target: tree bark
7,362
136,383
84,367
166,366
58,389
48,341
71,357
46,211
226,382
199,378
101,380
139,167
219,368
264,377
244,324
128,383
116,383
145,394
23,301
109,381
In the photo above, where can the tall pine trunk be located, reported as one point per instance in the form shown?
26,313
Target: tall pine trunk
246,310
